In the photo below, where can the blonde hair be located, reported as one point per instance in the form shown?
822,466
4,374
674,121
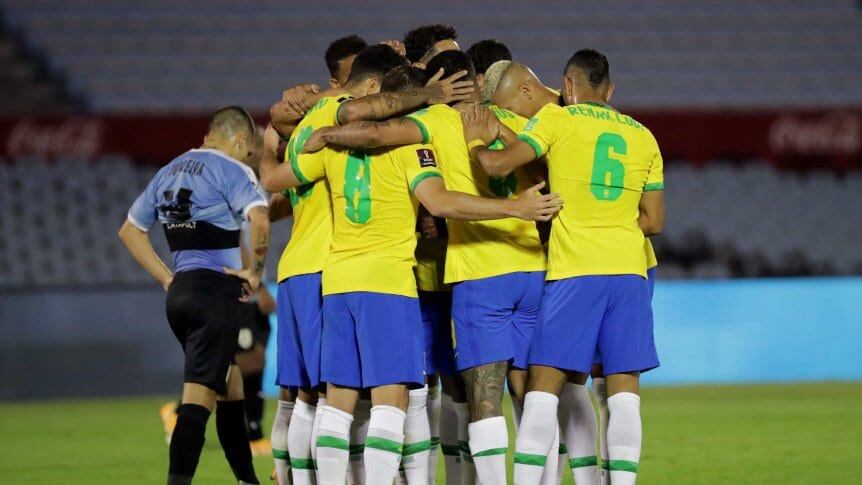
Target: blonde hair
492,78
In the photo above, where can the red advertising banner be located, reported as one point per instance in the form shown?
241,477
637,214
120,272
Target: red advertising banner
804,138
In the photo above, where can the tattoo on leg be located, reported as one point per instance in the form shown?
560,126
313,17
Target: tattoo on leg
485,390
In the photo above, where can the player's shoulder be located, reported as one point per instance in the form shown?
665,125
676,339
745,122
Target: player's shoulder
229,166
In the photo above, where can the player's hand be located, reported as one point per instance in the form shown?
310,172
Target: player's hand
301,97
532,205
166,283
315,142
250,281
428,227
449,90
479,123
397,46
271,139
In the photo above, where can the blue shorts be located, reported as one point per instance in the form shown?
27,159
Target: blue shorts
300,324
611,315
372,339
494,318
436,309
650,274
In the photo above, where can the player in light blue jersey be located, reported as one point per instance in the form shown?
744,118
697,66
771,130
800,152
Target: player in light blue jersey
200,198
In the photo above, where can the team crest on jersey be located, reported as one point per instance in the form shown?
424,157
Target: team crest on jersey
426,158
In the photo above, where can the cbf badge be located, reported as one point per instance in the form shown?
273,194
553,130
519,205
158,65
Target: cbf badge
426,158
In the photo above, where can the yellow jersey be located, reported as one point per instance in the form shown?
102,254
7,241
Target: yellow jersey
651,261
431,264
477,249
374,216
600,161
312,215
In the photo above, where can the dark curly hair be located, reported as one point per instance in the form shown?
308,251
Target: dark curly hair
486,52
342,48
419,40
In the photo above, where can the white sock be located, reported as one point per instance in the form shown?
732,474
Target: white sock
600,392
468,469
384,444
578,422
299,443
278,437
358,433
624,437
315,430
417,439
552,472
489,440
434,427
333,444
552,466
449,441
535,436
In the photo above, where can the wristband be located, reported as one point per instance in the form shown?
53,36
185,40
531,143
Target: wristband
475,143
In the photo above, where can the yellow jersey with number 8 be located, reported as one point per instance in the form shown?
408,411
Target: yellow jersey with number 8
477,249
600,161
312,217
374,217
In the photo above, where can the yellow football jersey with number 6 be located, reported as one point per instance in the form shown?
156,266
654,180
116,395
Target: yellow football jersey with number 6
312,217
477,249
600,161
374,216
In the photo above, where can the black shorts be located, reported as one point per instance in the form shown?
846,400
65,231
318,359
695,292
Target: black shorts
203,309
254,327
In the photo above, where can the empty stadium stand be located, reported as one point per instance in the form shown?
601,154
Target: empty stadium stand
185,55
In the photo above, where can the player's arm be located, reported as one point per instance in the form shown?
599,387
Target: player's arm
274,176
367,134
251,274
530,206
651,205
651,218
138,243
279,207
265,301
386,105
481,127
295,102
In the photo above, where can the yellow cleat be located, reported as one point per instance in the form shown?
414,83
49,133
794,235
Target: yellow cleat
261,447
168,413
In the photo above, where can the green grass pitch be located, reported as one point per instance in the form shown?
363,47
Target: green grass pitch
782,434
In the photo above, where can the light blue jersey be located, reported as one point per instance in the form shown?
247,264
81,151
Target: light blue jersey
201,198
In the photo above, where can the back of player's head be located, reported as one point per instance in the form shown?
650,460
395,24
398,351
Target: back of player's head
486,52
493,75
418,41
592,65
375,60
342,48
230,121
451,62
403,78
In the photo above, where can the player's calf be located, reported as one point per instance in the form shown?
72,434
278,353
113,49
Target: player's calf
489,437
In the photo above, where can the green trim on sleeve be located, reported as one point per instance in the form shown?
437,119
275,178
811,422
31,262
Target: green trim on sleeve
280,454
422,176
413,448
533,144
583,461
425,136
303,464
655,186
294,165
